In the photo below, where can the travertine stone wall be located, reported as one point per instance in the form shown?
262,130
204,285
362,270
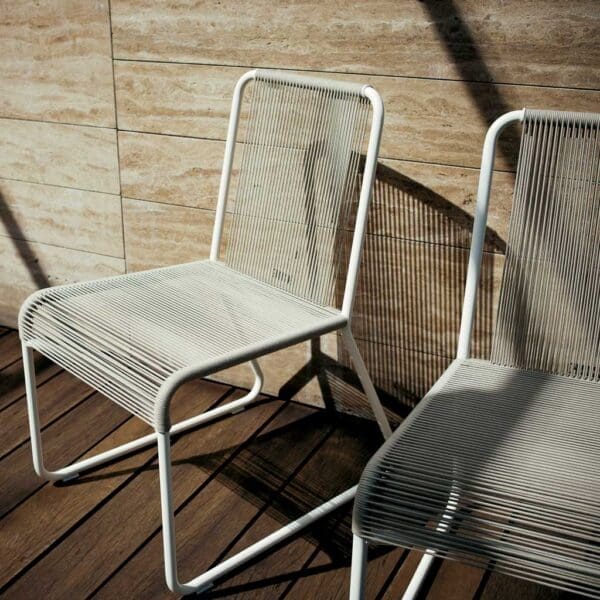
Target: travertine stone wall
113,116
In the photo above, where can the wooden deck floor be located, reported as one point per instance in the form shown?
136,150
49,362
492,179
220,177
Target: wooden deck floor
234,481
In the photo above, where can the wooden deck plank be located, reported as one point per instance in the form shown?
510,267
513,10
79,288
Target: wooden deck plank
12,383
295,571
294,488
502,587
455,581
104,530
331,570
120,526
217,513
37,523
10,349
244,495
322,571
408,565
64,441
55,398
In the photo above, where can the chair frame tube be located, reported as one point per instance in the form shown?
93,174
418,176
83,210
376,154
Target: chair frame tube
357,591
164,429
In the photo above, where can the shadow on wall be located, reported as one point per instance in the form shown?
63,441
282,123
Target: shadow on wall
407,310
409,299
462,49
22,247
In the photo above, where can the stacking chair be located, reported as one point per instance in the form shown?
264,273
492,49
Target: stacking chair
136,338
499,465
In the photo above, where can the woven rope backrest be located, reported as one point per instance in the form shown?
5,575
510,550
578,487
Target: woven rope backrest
297,178
549,311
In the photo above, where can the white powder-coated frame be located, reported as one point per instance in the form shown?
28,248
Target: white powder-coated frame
163,433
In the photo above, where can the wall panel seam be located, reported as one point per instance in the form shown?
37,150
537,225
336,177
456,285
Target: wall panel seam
51,122
58,185
50,244
112,63
381,156
356,73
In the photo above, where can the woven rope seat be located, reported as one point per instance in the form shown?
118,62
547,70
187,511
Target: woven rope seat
522,503
127,334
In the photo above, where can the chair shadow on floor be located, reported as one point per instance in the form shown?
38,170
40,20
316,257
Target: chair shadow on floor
286,471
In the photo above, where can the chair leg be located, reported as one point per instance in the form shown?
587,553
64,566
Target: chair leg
418,579
358,573
75,469
33,415
425,563
168,515
366,382
206,580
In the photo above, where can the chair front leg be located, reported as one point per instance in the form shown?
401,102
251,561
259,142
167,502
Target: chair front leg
358,573
168,516
34,420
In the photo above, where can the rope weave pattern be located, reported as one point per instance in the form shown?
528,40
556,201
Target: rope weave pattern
548,318
499,469
498,465
298,177
125,335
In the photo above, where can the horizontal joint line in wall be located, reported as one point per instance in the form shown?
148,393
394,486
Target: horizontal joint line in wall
358,73
381,156
58,185
22,239
431,242
52,122
177,204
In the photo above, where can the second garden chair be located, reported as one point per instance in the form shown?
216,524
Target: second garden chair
499,465
138,337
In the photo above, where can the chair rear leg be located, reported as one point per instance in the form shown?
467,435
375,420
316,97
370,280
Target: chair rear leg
73,471
358,573
366,382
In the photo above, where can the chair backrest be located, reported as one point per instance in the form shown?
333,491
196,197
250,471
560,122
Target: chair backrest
549,310
295,183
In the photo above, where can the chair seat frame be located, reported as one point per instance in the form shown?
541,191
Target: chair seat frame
162,435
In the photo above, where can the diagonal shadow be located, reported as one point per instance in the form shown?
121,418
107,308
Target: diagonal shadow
22,247
455,35
10,380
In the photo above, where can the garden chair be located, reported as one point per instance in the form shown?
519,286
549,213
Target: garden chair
499,465
138,337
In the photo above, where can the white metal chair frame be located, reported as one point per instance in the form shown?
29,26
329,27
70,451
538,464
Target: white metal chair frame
162,435
359,548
